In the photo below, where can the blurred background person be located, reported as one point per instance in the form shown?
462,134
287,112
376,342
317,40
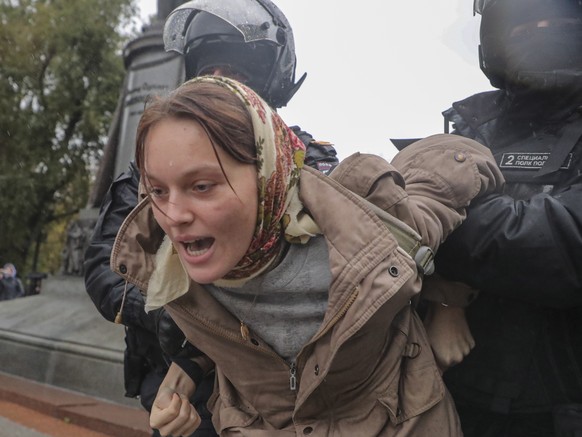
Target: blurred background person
11,286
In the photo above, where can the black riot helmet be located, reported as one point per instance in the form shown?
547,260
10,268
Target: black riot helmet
250,37
536,44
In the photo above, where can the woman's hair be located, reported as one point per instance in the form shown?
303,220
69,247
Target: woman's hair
219,111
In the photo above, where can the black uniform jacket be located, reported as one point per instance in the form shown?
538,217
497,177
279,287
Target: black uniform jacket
523,251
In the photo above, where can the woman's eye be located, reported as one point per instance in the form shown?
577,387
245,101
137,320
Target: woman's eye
156,192
202,188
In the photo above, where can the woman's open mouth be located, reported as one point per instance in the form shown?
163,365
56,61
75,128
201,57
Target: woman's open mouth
198,247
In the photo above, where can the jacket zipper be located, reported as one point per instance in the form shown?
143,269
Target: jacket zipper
293,377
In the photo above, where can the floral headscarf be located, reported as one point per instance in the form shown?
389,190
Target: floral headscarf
280,156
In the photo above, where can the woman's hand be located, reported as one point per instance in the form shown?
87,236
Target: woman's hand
173,414
449,334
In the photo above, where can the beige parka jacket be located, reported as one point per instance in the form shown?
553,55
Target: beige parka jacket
369,370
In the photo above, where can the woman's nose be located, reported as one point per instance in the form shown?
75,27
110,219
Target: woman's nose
178,211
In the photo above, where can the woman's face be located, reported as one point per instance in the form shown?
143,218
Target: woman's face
210,225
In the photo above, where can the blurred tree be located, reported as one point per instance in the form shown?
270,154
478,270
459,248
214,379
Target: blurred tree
61,71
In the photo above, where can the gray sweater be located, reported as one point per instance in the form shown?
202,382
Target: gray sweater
291,299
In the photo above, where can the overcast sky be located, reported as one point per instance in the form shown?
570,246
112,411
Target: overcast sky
380,69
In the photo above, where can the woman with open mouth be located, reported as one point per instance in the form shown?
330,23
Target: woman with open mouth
297,288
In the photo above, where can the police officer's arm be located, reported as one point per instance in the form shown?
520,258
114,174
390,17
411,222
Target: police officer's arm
529,250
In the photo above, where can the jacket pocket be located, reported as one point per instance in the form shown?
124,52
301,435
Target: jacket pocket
233,418
419,386
229,413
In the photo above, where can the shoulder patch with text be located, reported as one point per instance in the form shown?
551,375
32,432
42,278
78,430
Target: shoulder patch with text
529,160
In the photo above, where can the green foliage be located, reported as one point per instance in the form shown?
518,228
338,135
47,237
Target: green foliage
60,75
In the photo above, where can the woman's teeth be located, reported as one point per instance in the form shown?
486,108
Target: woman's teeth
199,247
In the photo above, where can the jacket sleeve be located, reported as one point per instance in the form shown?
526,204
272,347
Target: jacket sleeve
443,174
529,250
103,285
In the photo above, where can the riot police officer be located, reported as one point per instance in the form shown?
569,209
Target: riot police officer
523,249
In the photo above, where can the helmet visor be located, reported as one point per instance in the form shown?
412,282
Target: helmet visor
247,63
251,19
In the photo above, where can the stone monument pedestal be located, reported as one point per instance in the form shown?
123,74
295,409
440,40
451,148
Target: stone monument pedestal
59,338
